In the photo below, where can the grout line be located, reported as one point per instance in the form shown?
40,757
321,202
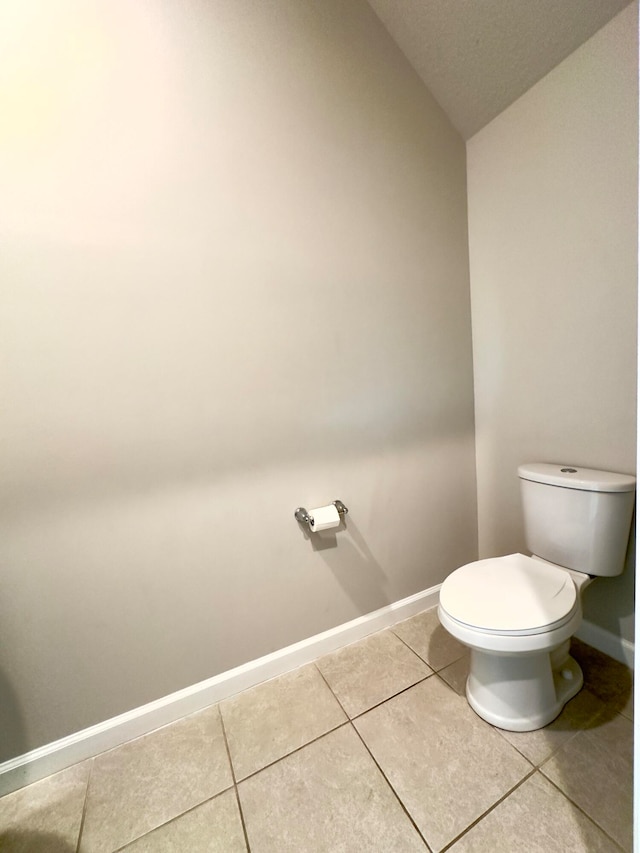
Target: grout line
226,745
402,805
589,723
242,821
173,819
393,696
453,689
435,670
489,810
84,804
199,804
580,809
393,790
520,753
293,751
378,704
547,757
424,660
333,693
235,781
440,669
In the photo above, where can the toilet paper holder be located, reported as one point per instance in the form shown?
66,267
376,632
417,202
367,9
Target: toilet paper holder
303,516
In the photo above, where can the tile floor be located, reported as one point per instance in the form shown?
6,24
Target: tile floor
371,748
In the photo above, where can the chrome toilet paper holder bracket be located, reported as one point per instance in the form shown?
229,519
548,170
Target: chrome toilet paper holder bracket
303,516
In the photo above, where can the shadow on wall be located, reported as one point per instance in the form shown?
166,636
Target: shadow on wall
353,565
190,463
19,841
12,732
609,602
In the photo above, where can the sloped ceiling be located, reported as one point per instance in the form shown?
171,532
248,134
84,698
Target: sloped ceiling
478,56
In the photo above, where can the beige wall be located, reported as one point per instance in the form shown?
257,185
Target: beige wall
553,257
234,280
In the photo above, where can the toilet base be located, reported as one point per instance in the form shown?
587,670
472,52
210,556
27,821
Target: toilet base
521,693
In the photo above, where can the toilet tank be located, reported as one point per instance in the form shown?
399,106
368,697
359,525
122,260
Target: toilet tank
577,517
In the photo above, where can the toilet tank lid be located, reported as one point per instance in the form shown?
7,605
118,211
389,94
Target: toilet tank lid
573,477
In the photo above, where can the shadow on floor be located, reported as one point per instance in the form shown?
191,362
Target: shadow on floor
610,680
25,841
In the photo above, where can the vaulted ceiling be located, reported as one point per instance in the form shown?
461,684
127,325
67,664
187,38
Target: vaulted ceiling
478,56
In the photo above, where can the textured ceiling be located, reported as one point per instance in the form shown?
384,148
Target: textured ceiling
478,56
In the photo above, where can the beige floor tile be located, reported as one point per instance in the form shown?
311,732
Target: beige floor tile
329,797
609,679
456,674
426,636
446,764
213,827
595,770
535,818
147,782
583,712
366,673
45,816
273,719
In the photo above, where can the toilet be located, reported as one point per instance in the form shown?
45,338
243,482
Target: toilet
518,613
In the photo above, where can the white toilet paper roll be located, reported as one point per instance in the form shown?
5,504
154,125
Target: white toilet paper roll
324,518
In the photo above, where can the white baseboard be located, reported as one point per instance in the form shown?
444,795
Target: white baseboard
88,743
612,645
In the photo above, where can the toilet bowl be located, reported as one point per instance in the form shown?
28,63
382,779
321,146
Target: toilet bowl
517,615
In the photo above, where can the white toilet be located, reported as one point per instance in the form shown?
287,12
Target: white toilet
517,613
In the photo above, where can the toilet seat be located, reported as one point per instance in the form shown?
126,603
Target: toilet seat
510,596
